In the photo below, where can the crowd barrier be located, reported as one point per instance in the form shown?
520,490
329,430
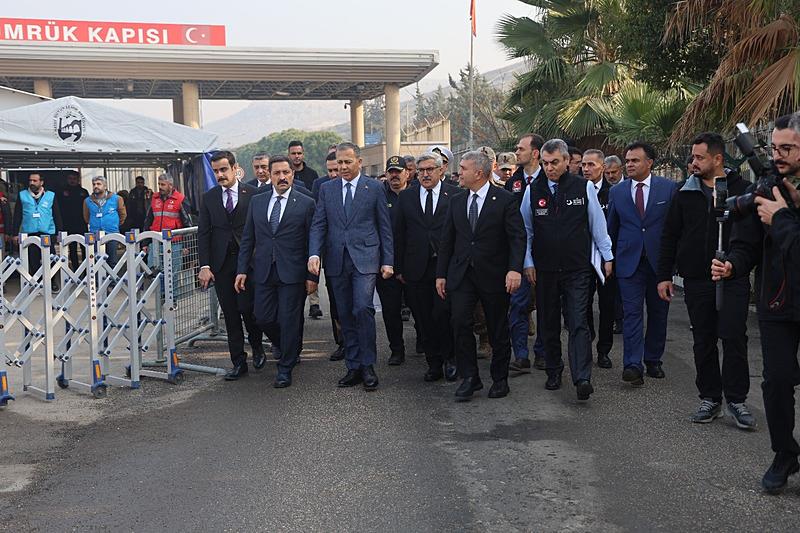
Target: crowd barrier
141,300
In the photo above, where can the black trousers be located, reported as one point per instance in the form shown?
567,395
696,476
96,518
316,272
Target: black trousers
495,308
779,344
606,295
575,288
280,312
35,253
432,316
237,307
333,312
74,259
390,291
730,325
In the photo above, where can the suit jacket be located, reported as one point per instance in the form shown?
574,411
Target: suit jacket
297,185
496,247
216,229
417,238
366,234
287,246
317,184
632,236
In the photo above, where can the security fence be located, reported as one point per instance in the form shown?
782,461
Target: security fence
133,295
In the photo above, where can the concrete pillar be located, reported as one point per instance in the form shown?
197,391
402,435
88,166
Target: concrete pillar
357,122
191,104
392,131
177,110
43,88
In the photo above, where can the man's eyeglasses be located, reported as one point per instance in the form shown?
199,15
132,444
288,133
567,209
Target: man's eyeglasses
426,170
783,150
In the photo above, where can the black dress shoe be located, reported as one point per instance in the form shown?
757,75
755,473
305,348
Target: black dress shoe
338,353
583,389
655,371
633,376
314,312
405,314
450,371
499,389
604,361
259,359
282,381
617,327
370,378
784,465
236,372
553,381
433,375
351,379
397,358
467,388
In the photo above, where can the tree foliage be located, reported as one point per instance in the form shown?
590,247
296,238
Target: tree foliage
315,145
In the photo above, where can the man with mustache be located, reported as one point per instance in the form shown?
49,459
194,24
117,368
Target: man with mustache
104,211
36,213
219,236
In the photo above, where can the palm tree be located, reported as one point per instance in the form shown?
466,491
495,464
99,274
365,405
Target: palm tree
759,75
575,66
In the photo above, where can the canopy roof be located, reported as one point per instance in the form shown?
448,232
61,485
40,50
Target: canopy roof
74,131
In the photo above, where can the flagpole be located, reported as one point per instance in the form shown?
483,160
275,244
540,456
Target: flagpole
471,77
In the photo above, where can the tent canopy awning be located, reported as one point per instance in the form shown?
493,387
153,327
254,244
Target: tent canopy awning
74,131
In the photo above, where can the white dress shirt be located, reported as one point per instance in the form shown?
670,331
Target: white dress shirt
274,199
482,192
423,195
645,190
234,194
354,181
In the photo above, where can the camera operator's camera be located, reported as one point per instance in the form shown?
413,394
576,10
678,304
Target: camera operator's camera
766,177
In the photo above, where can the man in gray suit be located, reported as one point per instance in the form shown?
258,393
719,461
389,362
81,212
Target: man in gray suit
352,229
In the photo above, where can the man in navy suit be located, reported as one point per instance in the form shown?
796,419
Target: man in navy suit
352,230
637,210
275,240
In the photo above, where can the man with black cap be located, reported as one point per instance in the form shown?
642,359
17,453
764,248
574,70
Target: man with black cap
390,290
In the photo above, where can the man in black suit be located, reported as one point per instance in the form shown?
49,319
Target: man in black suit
261,170
480,259
420,214
219,234
275,241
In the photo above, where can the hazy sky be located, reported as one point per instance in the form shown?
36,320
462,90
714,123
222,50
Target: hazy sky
441,25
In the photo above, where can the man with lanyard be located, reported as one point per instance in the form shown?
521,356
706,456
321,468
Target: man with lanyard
528,152
36,213
104,211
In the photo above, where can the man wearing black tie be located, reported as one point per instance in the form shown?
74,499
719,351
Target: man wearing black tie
222,217
275,241
420,214
480,259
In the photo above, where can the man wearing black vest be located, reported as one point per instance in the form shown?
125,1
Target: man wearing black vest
480,259
564,223
222,217
593,167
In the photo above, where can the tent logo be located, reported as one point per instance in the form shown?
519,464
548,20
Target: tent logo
69,123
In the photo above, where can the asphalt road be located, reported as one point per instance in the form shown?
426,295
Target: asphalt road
215,456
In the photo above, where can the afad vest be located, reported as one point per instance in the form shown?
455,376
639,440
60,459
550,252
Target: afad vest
37,217
561,238
105,218
166,213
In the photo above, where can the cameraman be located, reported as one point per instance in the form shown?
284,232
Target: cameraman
774,247
689,241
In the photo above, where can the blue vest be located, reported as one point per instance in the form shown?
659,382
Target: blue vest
37,217
104,218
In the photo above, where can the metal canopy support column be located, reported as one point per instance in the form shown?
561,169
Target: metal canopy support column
392,132
357,122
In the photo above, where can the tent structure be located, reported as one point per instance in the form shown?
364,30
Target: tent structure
79,132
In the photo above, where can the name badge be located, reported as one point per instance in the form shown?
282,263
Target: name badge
99,215
541,212
36,215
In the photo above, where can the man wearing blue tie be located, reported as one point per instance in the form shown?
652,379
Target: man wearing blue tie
352,230
637,210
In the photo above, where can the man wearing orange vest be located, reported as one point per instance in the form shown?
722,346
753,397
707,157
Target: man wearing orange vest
168,210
